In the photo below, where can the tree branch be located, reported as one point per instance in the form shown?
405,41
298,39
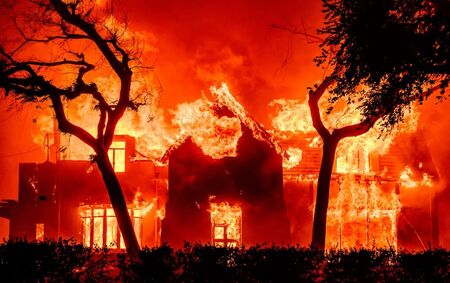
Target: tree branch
120,67
311,37
88,28
313,102
67,127
57,63
356,129
365,125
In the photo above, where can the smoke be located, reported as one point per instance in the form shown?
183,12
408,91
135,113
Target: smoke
202,42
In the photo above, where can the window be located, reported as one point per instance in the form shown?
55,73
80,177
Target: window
100,228
117,155
40,232
226,225
353,161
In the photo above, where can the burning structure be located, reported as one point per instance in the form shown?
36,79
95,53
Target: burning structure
247,188
228,181
373,197
68,199
233,195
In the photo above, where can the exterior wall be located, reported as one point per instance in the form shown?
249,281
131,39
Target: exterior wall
253,180
52,193
418,218
37,201
299,196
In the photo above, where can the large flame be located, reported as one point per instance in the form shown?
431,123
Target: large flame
292,157
216,136
407,179
364,214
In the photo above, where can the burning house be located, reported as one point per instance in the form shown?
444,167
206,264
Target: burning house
229,201
226,193
228,181
68,199
376,200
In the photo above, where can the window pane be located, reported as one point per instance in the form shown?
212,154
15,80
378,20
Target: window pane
137,228
98,212
110,212
111,232
40,232
118,144
87,231
117,155
119,162
219,232
98,227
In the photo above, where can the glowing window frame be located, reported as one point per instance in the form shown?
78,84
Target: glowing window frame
116,151
88,217
220,228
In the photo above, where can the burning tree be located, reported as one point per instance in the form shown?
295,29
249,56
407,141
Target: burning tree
384,56
80,33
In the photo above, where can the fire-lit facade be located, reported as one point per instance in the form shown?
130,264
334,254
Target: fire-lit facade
251,183
226,181
68,199
372,202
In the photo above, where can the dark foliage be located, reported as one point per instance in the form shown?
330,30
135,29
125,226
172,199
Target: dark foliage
397,49
66,261
50,261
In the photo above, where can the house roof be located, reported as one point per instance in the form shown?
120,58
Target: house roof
407,150
226,105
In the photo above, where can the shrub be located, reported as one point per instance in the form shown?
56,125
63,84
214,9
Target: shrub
67,261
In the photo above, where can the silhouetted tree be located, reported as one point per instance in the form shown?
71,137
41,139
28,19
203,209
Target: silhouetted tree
382,55
73,28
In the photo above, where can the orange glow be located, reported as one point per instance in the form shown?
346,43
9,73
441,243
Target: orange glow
216,136
226,224
40,231
292,117
364,211
364,214
294,157
407,179
99,223
117,156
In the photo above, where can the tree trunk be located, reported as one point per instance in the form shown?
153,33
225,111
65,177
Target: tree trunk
117,201
323,193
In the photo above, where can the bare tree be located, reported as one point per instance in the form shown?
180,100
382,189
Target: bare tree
64,24
330,140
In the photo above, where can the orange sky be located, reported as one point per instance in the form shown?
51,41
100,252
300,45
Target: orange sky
198,43
202,41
